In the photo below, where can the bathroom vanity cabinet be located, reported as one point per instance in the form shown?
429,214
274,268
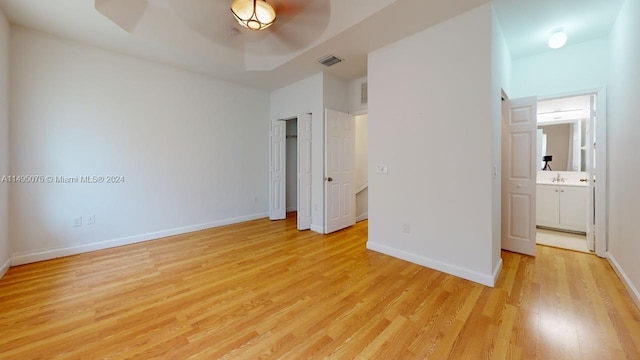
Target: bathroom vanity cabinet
562,207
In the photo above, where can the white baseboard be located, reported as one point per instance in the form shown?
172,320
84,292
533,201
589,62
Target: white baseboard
633,291
291,209
496,272
5,267
41,255
471,275
362,217
318,229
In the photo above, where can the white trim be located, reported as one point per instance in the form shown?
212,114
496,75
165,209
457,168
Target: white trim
362,217
41,255
471,275
318,229
5,267
362,187
633,291
292,209
496,272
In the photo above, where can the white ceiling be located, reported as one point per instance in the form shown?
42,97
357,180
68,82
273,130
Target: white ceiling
199,34
527,24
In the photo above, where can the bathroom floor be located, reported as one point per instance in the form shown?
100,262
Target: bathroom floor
562,240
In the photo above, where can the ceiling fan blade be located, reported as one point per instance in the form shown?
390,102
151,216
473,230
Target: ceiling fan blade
298,25
211,19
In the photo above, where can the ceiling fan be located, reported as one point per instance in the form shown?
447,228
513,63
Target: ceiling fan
297,24
253,14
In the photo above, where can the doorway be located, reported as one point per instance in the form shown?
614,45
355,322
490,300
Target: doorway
291,183
290,169
565,182
590,120
362,169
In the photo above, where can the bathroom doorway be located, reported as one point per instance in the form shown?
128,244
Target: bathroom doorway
567,166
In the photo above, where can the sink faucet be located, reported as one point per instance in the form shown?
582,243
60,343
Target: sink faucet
558,178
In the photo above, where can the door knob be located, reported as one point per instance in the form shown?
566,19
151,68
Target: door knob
329,179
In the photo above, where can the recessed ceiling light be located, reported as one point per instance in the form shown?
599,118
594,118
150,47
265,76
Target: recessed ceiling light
557,40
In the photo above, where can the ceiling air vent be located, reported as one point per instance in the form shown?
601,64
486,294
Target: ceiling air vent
329,60
364,95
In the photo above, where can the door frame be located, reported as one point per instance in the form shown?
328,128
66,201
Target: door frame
301,224
601,188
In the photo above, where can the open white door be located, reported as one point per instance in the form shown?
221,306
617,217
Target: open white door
339,169
278,173
519,123
589,144
304,171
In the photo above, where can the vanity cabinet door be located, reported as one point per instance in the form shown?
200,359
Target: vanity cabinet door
573,208
547,205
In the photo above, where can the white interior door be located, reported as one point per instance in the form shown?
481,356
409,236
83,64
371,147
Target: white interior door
304,171
339,169
589,144
278,171
519,175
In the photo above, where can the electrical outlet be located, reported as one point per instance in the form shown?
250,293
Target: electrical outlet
91,219
406,228
77,221
382,169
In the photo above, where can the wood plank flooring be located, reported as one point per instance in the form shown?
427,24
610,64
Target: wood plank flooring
262,290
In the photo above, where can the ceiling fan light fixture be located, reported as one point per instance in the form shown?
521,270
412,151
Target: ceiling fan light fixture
253,14
557,40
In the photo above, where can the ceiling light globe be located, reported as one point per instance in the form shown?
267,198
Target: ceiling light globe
557,40
253,14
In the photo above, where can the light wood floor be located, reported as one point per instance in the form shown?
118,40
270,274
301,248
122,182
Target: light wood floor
264,290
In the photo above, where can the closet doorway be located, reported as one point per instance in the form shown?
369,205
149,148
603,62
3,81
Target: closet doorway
290,169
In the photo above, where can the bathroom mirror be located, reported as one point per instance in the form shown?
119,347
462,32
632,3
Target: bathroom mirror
565,141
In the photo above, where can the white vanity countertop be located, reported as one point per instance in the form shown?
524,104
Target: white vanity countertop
568,178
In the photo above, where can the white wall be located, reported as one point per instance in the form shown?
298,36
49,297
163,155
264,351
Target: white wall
573,68
5,250
431,122
355,105
501,68
623,97
335,93
191,148
306,96
362,150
